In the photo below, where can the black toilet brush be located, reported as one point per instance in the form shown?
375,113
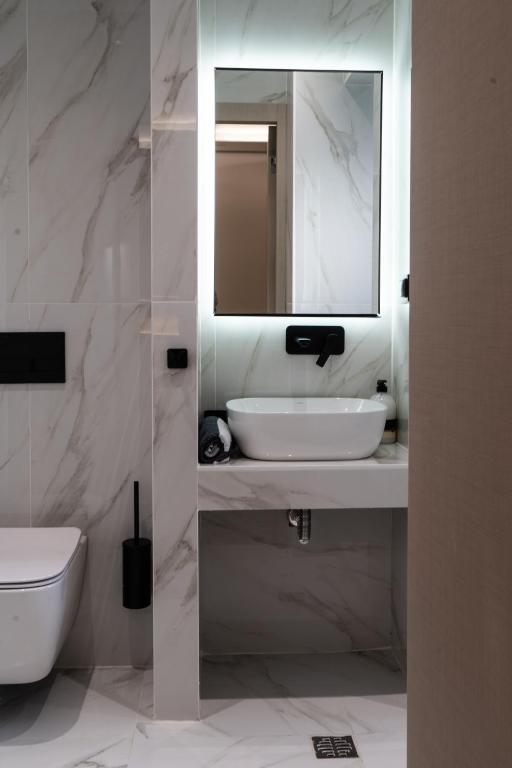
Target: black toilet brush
137,571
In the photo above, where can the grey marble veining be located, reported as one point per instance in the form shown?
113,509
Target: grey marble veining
90,438
176,624
88,177
13,151
401,213
262,711
328,28
265,711
380,481
332,595
69,129
174,148
246,356
296,676
174,324
14,433
73,720
399,583
250,87
247,349
334,174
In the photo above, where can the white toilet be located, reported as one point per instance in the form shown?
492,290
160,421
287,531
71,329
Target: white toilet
41,576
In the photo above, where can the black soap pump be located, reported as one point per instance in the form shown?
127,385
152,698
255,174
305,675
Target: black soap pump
382,396
136,563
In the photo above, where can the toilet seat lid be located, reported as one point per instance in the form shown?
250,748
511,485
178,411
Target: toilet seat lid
30,555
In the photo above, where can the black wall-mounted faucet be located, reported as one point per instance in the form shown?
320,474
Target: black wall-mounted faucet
321,340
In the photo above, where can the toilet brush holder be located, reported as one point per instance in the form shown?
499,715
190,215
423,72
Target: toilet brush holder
137,569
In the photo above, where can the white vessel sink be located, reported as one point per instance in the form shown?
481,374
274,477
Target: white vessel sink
306,428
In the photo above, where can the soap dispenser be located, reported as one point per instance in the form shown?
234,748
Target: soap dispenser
383,397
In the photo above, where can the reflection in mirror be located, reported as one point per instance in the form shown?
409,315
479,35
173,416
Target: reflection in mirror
297,192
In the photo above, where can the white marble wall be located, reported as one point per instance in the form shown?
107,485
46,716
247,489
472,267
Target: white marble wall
401,208
399,583
14,400
401,214
329,596
251,87
74,185
174,289
335,178
250,360
13,152
244,356
263,33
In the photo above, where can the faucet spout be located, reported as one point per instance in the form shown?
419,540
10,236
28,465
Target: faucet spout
330,348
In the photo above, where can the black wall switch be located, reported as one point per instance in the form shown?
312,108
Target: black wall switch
404,288
177,358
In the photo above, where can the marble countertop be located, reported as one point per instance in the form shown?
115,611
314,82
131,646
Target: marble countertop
377,482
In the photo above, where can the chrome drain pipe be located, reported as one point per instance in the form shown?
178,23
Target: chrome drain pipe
301,520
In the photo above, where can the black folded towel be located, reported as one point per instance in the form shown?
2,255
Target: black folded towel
214,441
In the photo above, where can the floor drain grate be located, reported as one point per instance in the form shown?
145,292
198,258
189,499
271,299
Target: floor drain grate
334,746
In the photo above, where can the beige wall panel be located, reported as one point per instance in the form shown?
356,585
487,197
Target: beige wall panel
460,529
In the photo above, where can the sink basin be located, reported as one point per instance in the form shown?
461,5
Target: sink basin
306,428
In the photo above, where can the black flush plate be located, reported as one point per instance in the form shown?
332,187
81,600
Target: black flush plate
329,747
311,339
32,357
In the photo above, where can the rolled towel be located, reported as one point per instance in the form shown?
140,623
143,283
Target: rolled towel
214,441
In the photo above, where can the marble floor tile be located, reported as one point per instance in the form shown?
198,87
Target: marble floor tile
70,720
146,696
255,752
102,718
301,675
262,711
166,744
323,694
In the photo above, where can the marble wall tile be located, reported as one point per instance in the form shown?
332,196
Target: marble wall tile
90,439
176,625
251,87
246,484
205,209
259,31
174,276
334,170
401,366
401,207
251,360
399,582
246,356
275,693
88,176
13,152
14,433
207,361
174,148
332,595
69,129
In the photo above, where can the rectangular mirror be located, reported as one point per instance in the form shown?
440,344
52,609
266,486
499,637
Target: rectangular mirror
297,192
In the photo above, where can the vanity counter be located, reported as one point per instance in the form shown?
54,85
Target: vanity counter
379,481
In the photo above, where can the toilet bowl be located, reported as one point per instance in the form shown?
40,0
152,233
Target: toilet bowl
41,576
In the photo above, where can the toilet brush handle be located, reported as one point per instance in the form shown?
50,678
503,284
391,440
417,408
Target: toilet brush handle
136,510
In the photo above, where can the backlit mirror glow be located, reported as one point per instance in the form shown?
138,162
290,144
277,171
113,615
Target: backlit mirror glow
297,192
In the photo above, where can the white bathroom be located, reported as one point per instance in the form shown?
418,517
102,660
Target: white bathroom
249,515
